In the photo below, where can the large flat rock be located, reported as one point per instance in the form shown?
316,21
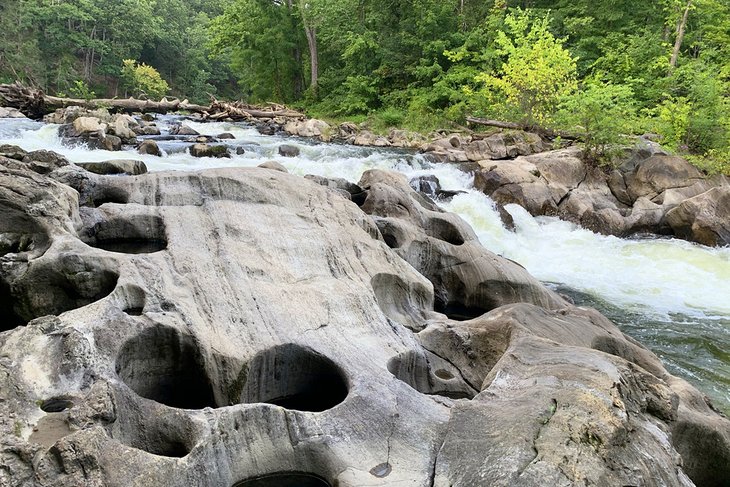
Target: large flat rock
209,328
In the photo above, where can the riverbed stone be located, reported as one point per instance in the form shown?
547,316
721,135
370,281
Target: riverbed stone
288,150
131,167
368,344
205,150
149,147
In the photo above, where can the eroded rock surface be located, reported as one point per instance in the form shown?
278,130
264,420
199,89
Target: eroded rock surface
237,327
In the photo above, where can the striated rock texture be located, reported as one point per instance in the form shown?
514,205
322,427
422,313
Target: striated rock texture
250,327
652,192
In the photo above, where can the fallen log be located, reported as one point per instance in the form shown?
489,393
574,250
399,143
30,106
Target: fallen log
542,131
34,103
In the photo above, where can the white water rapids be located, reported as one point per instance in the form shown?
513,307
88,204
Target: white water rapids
672,295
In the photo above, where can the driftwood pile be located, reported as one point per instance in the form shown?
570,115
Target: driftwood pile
34,104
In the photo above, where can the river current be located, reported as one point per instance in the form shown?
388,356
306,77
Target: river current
671,295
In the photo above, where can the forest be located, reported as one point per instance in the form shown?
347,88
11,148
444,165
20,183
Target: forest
604,70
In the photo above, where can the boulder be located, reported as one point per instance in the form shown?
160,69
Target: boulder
226,136
44,161
506,145
183,130
274,166
111,143
233,325
309,128
6,112
12,151
287,150
149,147
205,150
85,126
658,173
366,138
119,166
125,127
704,218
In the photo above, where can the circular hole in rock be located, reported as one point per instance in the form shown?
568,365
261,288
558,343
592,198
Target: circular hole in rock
285,479
166,366
52,287
56,404
294,377
414,368
143,234
444,374
444,230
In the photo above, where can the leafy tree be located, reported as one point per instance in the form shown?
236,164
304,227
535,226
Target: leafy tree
603,113
142,80
538,70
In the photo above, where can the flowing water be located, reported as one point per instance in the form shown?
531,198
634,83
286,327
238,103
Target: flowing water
671,295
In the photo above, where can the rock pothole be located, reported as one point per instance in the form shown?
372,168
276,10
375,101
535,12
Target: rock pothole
457,311
401,301
445,230
165,365
57,404
429,374
52,287
285,479
294,377
137,234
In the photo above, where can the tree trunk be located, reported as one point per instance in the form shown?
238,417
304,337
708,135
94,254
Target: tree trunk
681,26
34,104
313,57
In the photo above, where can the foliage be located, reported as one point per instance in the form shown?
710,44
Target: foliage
142,80
603,113
538,70
81,90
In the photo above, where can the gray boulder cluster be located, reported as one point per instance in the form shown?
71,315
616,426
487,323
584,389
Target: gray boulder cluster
248,327
650,192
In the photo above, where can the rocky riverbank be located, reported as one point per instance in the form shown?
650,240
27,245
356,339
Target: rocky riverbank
648,190
215,327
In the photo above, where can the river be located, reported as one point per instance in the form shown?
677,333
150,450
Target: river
671,295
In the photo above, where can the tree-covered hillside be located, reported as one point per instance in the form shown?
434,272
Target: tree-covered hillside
598,68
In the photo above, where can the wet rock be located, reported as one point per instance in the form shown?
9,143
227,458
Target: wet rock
240,150
273,165
205,150
183,130
226,136
111,143
120,166
287,150
149,147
